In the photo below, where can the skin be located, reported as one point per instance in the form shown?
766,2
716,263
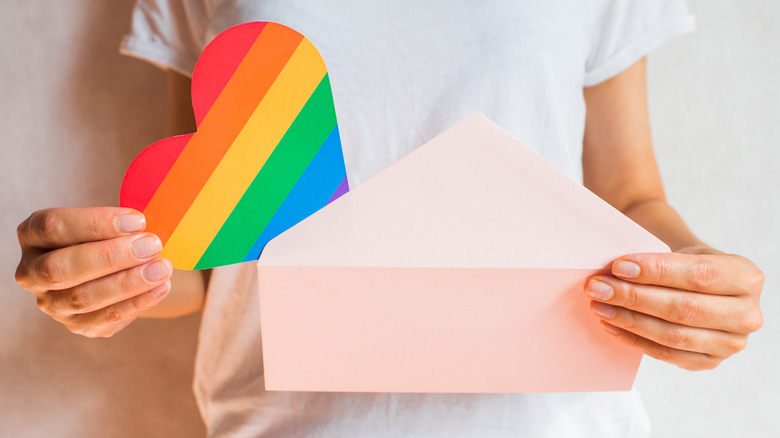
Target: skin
80,263
693,307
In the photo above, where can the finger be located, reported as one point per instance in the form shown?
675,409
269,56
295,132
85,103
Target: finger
104,291
679,337
23,273
683,359
109,320
59,227
715,274
67,267
730,314
116,328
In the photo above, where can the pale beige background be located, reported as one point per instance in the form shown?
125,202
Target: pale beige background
73,113
715,108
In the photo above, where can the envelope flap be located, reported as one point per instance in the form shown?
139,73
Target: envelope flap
474,196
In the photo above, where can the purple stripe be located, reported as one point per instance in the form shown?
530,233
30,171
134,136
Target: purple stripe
340,190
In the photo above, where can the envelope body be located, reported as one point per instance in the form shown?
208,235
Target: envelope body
458,269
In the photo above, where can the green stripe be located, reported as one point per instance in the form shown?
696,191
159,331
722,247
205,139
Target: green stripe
270,187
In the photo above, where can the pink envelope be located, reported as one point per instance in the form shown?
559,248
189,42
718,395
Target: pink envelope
460,268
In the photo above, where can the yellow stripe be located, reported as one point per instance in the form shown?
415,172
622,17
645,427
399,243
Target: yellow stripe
247,155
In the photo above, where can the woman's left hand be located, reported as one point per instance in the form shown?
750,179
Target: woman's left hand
692,308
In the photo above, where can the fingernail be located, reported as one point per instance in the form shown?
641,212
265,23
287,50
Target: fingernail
156,271
604,310
130,223
610,328
146,246
161,290
625,269
598,290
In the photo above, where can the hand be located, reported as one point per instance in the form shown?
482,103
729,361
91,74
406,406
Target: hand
92,269
693,308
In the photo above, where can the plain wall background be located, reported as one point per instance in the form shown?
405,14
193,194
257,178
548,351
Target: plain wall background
715,109
73,114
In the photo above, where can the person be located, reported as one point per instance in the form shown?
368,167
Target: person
566,77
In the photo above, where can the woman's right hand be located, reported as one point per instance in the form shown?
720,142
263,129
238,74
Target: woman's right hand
92,269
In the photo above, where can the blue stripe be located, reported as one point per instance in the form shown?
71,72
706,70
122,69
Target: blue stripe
310,193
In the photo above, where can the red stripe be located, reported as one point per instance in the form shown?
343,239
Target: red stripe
148,171
215,67
246,88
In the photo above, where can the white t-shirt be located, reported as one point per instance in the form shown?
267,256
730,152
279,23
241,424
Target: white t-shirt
402,71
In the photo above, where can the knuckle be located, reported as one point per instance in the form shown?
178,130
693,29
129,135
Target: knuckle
73,328
93,225
736,344
630,294
662,352
125,282
744,261
93,333
686,310
139,304
705,364
678,337
48,225
659,268
81,329
44,304
105,333
22,229
112,314
689,366
51,270
108,255
702,274
22,276
757,280
80,300
752,321
629,320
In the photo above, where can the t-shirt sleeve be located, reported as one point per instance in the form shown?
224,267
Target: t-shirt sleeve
627,30
164,33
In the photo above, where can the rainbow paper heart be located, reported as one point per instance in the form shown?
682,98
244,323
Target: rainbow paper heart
267,153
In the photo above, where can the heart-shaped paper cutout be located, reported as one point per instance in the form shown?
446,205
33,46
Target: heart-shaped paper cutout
267,153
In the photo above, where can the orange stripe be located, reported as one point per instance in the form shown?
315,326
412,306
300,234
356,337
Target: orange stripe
222,124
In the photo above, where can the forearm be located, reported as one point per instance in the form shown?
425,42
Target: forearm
659,218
